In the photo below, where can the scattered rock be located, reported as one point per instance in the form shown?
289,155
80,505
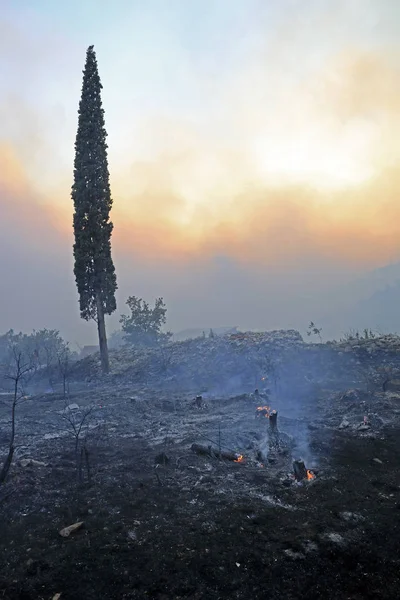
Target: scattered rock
66,532
353,396
72,407
294,555
364,427
310,546
132,535
344,424
351,517
336,538
30,462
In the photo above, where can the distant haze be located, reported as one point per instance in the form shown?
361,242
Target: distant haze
254,152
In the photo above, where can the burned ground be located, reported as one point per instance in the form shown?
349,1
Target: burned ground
197,527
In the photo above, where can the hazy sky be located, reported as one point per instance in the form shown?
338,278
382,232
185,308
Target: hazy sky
254,150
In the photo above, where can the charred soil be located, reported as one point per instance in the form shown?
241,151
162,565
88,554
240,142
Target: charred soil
196,527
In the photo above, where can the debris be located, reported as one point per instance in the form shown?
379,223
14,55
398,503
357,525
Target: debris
72,407
294,555
378,461
54,436
66,532
364,427
215,453
353,396
30,462
344,424
56,596
310,546
336,538
351,517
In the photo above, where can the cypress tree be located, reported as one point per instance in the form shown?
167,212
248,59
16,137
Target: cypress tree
94,269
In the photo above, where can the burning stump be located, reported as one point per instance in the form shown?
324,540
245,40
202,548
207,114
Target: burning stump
300,471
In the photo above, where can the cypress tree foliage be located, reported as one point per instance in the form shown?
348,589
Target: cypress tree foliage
94,269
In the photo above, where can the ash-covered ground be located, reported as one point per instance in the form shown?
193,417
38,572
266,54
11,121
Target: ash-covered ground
161,521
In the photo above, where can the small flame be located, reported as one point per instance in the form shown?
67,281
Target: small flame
265,409
239,458
310,475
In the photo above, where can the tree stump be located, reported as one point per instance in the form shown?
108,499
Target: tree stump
299,469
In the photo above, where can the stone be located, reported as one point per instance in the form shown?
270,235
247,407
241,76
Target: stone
72,406
66,532
30,462
336,538
294,555
364,427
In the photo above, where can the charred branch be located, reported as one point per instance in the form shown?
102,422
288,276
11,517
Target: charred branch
216,453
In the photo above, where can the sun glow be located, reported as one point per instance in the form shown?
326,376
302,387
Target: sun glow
329,162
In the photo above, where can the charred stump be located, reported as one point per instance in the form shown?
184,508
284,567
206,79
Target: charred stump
273,421
299,470
199,401
273,433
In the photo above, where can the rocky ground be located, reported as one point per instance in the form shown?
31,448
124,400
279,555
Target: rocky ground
159,521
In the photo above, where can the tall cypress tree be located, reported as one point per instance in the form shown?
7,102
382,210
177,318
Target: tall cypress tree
94,269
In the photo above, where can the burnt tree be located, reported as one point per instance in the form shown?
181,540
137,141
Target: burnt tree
94,268
18,369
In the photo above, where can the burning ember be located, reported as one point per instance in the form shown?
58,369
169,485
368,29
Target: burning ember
310,475
263,411
239,459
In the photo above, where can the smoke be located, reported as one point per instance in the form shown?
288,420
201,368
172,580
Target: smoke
243,200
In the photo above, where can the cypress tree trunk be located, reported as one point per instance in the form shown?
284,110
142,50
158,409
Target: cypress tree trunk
101,328
94,268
